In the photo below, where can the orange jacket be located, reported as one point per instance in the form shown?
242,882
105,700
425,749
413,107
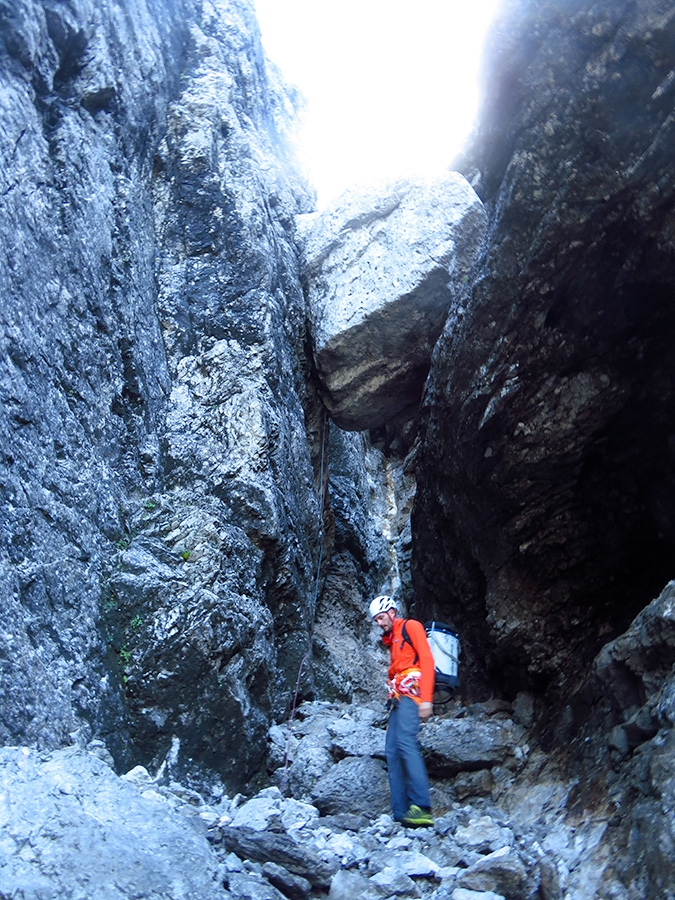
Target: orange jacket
418,656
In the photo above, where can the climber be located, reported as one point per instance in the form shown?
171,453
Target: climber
411,689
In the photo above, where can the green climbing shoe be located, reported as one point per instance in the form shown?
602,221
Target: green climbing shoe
416,817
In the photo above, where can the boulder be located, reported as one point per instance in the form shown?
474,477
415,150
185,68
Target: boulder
346,885
455,745
411,863
295,887
351,738
354,785
269,809
483,835
252,887
466,894
72,828
501,872
381,270
392,882
279,848
309,765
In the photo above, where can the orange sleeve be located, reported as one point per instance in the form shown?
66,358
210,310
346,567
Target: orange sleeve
426,663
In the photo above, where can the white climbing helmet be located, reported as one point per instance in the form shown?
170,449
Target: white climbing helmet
381,604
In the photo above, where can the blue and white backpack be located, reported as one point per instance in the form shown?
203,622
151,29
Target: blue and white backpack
444,643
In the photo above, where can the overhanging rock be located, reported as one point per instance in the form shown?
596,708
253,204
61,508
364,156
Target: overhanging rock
381,270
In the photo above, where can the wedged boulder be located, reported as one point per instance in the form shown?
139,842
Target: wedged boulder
380,270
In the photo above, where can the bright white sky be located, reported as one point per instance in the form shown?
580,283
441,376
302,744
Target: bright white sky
391,85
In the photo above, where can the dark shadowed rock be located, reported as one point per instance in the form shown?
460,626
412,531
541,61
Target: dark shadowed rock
546,502
371,494
381,271
270,846
293,886
356,784
635,667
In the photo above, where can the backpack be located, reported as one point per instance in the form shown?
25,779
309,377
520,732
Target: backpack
444,643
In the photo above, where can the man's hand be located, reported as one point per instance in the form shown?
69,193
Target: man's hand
425,710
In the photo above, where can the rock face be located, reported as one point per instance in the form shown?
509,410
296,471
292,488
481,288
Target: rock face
545,506
634,674
381,271
368,533
160,515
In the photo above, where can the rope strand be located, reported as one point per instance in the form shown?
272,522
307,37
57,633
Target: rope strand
305,658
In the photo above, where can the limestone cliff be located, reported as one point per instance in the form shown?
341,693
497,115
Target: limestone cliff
160,437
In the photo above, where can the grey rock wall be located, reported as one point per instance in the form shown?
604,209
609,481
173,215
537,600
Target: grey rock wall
160,522
368,497
81,345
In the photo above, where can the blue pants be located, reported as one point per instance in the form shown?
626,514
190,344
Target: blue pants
408,781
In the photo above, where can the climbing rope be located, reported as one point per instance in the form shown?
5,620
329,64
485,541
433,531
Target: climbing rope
305,658
290,724
321,502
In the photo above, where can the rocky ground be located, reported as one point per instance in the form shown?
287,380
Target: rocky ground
73,829
513,818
